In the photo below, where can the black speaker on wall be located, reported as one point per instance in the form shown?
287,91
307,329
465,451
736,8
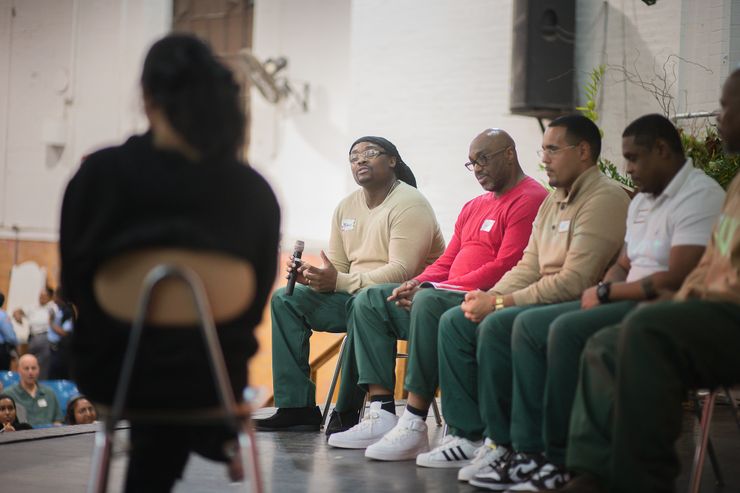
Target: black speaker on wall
542,58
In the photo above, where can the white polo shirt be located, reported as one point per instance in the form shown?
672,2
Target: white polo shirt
682,215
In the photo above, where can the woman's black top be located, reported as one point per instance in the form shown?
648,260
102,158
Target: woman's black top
134,196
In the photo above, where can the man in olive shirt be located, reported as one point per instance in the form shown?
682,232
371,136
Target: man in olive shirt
39,401
627,413
576,235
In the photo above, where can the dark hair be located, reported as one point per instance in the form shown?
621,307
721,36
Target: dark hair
69,415
649,128
7,396
197,93
49,291
578,128
402,170
2,299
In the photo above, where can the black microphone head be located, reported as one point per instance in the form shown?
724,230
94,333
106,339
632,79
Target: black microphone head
299,245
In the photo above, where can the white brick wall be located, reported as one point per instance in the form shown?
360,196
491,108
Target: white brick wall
77,68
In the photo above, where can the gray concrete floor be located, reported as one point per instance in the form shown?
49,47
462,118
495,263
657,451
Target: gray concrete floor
54,461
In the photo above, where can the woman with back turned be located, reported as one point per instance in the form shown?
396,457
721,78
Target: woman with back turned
179,185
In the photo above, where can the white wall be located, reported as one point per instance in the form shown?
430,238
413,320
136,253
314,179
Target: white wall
68,70
681,48
304,155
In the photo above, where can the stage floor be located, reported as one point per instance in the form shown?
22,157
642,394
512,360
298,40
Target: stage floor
58,461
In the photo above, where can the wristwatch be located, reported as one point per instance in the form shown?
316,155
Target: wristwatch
498,303
602,291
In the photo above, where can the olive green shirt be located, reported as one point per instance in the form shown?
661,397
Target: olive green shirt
389,243
43,409
575,238
717,277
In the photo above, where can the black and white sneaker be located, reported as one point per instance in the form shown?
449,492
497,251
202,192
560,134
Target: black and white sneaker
519,468
547,478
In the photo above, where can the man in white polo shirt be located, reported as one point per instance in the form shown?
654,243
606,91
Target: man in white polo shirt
668,226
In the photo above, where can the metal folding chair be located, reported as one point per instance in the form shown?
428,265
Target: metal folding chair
335,376
704,414
208,280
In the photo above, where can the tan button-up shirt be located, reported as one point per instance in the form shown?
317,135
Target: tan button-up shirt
717,277
575,237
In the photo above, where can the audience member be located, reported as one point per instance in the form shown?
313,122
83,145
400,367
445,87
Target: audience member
489,237
385,232
60,330
39,401
8,338
576,235
39,318
179,185
9,417
668,226
627,412
80,411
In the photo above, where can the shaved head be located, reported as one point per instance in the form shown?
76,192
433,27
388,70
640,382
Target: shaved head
28,369
495,164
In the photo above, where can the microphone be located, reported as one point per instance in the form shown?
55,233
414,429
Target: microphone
297,252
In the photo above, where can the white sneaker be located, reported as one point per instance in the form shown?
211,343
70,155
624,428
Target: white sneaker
376,423
452,452
486,454
405,441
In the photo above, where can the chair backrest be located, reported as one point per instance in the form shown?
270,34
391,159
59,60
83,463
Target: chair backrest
8,378
229,283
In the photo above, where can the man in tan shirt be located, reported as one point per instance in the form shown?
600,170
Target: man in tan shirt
627,413
577,233
384,232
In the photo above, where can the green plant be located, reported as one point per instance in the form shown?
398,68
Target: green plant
589,111
708,154
703,144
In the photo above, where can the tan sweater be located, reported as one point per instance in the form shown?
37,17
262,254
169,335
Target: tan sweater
717,277
574,239
390,243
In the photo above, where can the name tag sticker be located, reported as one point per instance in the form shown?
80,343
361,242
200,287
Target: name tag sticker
487,225
564,226
42,402
347,224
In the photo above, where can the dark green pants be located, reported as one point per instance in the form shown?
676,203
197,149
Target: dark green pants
294,318
645,367
377,325
546,346
476,396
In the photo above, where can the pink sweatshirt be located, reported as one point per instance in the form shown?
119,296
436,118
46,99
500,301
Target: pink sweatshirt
490,235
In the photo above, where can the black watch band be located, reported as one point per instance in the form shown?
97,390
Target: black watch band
602,291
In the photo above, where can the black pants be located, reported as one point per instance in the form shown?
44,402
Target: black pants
160,453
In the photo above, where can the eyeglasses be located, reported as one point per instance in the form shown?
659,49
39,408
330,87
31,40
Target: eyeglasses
368,154
483,161
551,151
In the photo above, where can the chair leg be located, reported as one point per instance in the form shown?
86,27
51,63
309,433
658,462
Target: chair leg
437,416
250,457
698,407
100,466
333,384
701,446
362,409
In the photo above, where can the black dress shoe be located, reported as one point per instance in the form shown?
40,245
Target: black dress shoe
339,422
291,419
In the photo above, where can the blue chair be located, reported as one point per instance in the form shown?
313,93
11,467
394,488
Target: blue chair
9,378
63,389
